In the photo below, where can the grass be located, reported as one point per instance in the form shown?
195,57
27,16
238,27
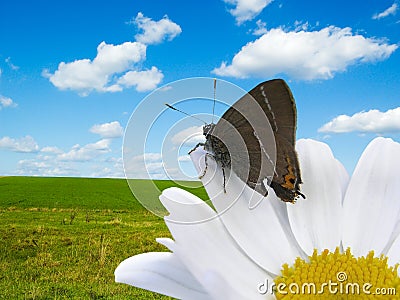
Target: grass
62,238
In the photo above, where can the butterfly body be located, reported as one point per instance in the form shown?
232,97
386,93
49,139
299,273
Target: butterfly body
217,147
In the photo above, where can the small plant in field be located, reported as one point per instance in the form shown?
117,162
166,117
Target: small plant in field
87,217
115,221
72,217
102,250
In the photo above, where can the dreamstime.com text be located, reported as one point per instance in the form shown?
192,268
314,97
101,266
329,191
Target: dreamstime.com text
338,287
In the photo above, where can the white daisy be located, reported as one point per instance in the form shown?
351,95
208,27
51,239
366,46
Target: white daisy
346,232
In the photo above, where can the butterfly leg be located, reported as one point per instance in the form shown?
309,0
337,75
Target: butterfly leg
223,174
197,146
205,170
206,163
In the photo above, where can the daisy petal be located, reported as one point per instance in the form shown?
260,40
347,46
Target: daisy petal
371,205
394,253
176,200
248,226
167,242
162,273
217,287
315,220
221,289
206,249
344,178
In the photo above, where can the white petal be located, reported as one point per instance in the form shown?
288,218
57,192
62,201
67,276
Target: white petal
316,220
162,273
344,178
220,288
372,206
176,200
261,233
394,253
207,250
167,242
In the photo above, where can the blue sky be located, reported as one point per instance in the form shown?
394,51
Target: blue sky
72,73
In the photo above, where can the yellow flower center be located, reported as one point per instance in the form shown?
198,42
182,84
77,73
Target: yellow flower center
338,276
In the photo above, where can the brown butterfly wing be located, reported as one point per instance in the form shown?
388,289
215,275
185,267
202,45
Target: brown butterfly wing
246,132
278,103
287,179
265,121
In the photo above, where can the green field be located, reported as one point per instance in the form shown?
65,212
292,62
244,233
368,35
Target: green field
62,238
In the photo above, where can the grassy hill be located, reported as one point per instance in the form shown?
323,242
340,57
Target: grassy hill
62,238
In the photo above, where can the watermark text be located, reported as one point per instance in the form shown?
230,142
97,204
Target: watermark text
340,286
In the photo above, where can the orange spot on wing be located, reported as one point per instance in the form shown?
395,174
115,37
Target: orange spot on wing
290,178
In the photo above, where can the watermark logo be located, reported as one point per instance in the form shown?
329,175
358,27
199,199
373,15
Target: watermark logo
158,138
340,286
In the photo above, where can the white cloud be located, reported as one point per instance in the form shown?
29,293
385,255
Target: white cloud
116,66
51,150
32,167
148,158
90,160
6,102
108,130
10,64
184,158
300,25
246,10
261,28
165,88
134,166
189,136
390,11
86,161
86,75
305,55
107,172
86,152
112,167
142,80
149,165
25,144
155,32
373,121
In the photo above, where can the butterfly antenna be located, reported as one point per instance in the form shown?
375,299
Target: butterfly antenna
215,91
171,107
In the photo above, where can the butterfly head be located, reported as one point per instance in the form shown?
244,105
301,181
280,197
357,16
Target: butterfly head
208,128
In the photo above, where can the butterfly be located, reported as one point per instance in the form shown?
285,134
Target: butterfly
255,138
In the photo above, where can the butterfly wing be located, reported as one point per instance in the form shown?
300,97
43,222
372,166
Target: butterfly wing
276,100
287,177
278,103
265,121
246,132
